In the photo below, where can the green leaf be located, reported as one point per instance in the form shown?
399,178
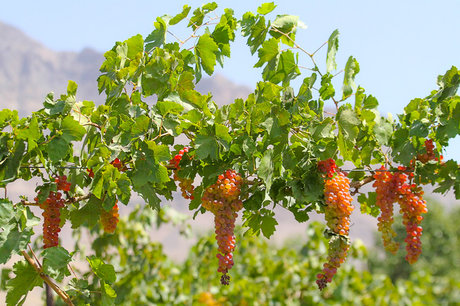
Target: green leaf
222,132
6,211
9,169
158,37
351,69
31,133
332,46
26,278
348,122
148,193
266,168
285,23
57,149
326,90
182,15
266,8
55,261
206,146
268,224
108,294
72,130
13,240
165,107
135,45
87,214
105,272
206,50
269,50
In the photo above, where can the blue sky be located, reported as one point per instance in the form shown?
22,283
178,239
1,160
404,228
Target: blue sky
401,45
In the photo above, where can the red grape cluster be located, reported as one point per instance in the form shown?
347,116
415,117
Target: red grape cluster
429,154
385,185
222,199
412,207
52,214
52,218
337,213
117,163
109,219
62,183
185,184
327,166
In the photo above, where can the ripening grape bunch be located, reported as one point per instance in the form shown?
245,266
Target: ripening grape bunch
396,187
337,214
223,200
185,184
52,214
109,219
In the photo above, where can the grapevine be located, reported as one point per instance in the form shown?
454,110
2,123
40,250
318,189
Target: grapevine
222,199
337,213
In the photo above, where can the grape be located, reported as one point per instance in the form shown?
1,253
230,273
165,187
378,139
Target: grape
222,199
337,214
52,218
185,184
62,183
385,186
109,219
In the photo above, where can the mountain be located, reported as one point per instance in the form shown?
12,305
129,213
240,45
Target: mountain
29,71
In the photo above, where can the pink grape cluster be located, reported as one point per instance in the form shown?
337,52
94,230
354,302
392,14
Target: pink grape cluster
222,199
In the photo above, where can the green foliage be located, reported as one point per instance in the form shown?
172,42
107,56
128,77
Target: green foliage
273,138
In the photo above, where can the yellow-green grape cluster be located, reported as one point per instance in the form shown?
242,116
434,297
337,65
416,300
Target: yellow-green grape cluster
223,200
109,219
337,213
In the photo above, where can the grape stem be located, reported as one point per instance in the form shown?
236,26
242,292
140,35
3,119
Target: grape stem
65,297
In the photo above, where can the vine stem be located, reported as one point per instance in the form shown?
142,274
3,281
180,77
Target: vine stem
65,297
68,201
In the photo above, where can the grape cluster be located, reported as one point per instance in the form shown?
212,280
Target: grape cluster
90,173
385,185
62,183
327,166
109,219
397,187
117,163
412,207
52,218
223,200
52,214
185,184
337,214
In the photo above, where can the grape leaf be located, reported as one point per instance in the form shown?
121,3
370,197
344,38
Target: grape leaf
26,278
206,50
55,261
105,272
332,46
